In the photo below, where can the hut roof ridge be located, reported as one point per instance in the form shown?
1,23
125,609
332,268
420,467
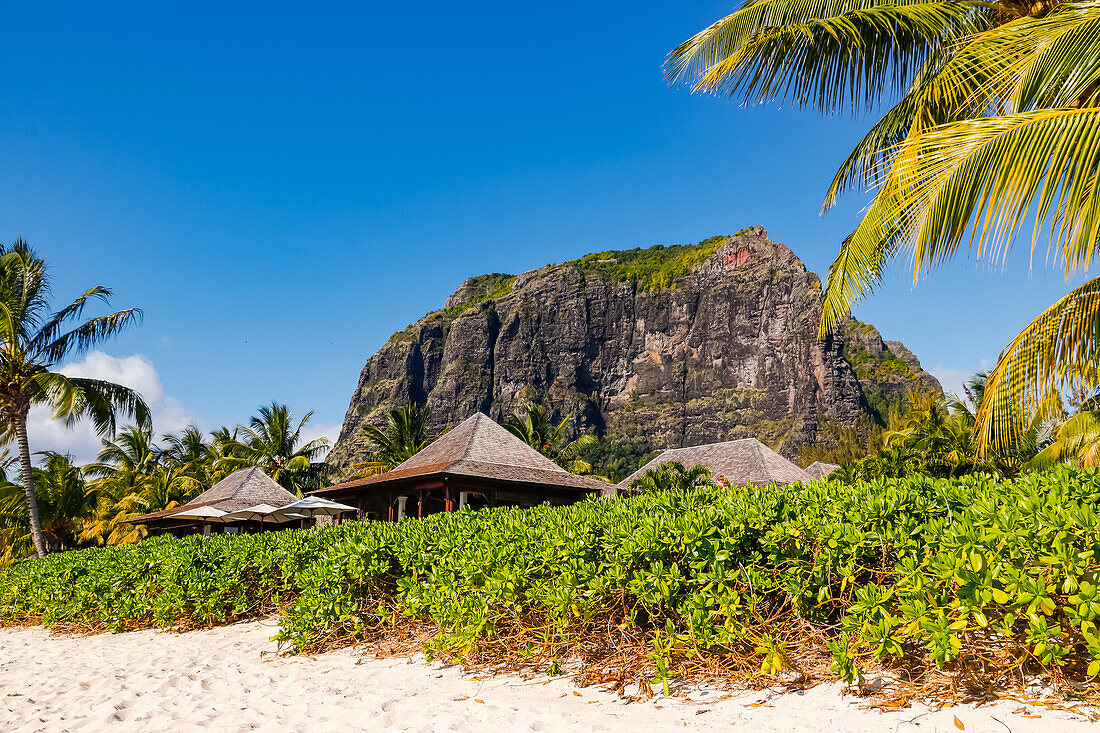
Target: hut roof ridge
740,461
239,490
479,447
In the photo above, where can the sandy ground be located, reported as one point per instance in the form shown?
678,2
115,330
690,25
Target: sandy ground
228,679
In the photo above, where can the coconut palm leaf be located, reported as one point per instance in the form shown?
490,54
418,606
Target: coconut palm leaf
1055,352
979,178
405,435
1042,62
838,63
721,39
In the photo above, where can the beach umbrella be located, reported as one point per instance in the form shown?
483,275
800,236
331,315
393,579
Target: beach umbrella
258,513
315,506
203,513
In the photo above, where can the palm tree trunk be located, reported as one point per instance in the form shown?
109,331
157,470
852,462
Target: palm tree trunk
28,484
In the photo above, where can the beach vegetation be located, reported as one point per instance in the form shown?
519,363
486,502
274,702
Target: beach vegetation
943,584
670,476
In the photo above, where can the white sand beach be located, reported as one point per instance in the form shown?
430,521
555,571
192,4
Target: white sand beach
229,679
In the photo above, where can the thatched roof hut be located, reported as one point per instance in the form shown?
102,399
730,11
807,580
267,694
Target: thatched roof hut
738,462
477,463
821,469
239,490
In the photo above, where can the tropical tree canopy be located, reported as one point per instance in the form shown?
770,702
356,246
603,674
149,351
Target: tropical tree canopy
273,442
33,340
670,476
405,435
532,425
991,123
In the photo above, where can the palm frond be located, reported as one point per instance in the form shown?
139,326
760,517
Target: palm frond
52,327
721,39
89,334
1054,352
839,63
1049,61
98,400
981,177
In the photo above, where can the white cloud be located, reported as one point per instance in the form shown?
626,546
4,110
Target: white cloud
136,372
312,431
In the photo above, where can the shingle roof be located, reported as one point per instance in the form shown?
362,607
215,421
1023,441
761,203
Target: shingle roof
821,469
741,462
480,448
239,490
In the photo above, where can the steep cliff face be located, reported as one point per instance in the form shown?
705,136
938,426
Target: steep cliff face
665,347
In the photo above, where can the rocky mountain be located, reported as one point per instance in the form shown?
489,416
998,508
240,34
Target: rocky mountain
659,347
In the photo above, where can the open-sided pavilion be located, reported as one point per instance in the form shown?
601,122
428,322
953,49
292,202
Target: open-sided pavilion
476,464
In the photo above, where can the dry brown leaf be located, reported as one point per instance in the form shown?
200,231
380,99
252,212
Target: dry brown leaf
959,723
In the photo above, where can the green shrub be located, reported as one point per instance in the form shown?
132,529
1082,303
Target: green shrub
908,572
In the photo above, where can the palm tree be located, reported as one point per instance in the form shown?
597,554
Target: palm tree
188,448
271,442
33,341
933,439
995,121
64,500
1077,441
670,476
532,425
63,503
405,435
130,456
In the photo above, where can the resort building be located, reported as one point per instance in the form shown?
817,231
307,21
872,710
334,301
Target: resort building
820,469
239,491
476,464
735,462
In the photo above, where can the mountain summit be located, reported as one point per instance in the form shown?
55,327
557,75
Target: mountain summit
663,347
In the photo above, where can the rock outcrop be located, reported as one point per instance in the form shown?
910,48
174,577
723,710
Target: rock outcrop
664,347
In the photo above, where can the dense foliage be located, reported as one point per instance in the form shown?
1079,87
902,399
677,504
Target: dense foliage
406,433
135,475
615,460
533,425
974,575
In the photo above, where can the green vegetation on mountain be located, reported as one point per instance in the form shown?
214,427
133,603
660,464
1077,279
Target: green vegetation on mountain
976,576
884,376
649,268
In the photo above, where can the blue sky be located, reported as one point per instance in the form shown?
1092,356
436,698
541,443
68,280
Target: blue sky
282,186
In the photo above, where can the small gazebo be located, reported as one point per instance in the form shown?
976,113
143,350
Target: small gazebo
736,462
239,490
476,464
